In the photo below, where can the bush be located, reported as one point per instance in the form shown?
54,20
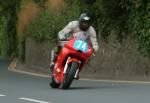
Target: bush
139,26
47,25
3,43
131,17
8,10
109,15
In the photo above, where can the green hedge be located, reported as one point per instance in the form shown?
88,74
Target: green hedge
8,18
3,43
47,25
131,17
139,25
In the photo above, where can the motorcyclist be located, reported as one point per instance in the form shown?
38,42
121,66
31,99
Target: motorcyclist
80,29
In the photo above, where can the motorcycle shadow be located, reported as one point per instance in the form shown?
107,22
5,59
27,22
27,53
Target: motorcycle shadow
101,87
90,88
83,88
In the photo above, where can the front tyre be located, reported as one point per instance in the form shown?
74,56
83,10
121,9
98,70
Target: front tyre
69,76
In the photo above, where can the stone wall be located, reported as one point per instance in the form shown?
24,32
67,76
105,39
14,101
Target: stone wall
113,60
37,54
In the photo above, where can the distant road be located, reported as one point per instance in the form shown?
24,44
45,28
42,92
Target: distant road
21,88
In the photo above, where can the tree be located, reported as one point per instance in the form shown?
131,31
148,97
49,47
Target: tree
9,10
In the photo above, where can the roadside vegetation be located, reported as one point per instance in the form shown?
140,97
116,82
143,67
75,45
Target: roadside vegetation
42,19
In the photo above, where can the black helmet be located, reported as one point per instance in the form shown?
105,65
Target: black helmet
84,21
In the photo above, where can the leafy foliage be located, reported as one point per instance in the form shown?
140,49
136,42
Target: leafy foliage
129,16
8,10
47,25
139,25
3,43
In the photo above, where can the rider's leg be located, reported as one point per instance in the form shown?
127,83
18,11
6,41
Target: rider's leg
52,58
54,54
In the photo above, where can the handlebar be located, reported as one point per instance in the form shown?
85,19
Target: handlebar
66,39
63,39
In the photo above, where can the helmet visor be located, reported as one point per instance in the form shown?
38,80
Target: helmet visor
84,25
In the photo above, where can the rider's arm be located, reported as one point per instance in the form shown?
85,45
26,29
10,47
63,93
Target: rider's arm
67,29
93,38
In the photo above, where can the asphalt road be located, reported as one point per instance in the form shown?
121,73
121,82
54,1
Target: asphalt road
21,88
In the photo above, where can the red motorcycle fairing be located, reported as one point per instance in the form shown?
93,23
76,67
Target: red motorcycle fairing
75,55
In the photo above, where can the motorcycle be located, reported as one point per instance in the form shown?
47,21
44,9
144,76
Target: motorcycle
70,61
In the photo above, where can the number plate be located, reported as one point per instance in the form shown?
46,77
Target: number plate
81,45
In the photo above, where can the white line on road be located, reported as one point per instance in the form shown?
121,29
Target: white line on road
33,100
1,95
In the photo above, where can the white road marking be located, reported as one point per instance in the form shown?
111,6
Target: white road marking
1,95
33,100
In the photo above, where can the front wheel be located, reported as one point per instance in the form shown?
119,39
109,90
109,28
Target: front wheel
69,76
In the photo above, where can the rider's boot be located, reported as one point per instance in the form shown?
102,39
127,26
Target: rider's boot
54,55
52,66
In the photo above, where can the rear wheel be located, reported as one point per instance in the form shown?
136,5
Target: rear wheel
69,76
53,83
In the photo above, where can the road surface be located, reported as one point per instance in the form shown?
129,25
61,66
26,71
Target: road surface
21,88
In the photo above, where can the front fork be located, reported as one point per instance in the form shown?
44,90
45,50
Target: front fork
76,75
66,65
69,60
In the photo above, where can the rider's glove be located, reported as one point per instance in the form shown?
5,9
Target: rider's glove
96,47
61,38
